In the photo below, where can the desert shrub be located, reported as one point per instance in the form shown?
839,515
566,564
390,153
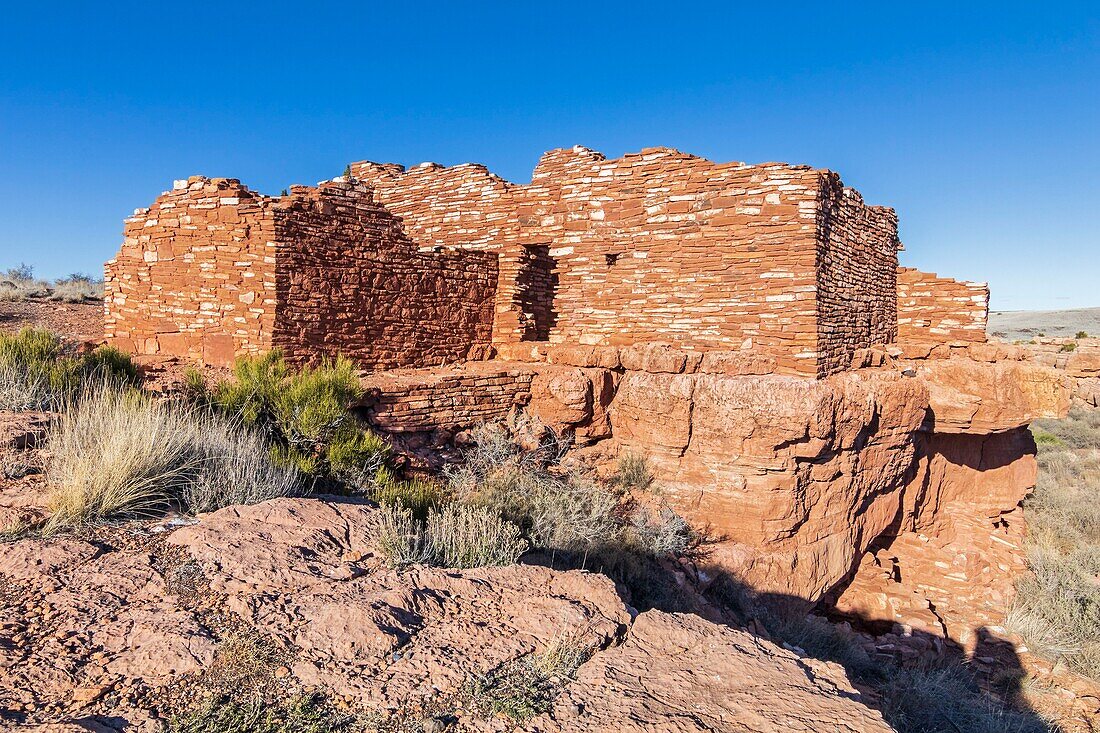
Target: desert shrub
398,537
417,494
20,273
1081,335
76,288
236,468
19,283
1067,348
37,372
527,687
118,453
560,510
305,412
1057,607
454,536
572,516
464,536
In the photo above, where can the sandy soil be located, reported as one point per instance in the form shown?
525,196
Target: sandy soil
77,321
1023,325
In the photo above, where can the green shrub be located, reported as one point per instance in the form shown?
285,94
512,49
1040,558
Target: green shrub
356,456
1081,335
37,373
1067,348
305,412
417,494
1045,439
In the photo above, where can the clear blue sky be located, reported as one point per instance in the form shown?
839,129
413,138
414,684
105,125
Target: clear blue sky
979,122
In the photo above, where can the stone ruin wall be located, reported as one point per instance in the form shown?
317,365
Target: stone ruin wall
195,276
939,309
856,287
213,270
660,246
350,282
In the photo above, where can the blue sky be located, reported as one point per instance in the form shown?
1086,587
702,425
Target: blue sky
979,122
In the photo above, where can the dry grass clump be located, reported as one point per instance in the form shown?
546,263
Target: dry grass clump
931,698
454,536
1057,609
634,473
117,453
19,283
527,687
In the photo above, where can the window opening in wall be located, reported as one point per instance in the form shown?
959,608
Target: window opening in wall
611,259
537,288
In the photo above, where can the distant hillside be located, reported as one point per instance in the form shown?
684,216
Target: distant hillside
1014,325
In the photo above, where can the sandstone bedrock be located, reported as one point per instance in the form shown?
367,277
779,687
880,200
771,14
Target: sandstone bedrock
838,423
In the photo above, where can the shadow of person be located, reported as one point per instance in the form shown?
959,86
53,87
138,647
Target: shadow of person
919,681
1000,665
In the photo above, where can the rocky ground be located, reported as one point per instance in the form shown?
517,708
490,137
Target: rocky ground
127,625
77,321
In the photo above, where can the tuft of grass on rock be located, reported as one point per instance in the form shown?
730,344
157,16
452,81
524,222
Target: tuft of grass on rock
633,472
121,454
526,688
300,714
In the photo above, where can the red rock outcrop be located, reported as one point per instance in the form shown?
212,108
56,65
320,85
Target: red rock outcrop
97,634
703,678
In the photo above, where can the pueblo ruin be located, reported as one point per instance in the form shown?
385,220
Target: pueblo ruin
840,424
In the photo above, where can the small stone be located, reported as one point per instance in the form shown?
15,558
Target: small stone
435,725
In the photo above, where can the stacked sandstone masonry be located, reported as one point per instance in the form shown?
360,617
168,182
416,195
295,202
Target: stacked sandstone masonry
660,246
213,270
839,423
940,309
